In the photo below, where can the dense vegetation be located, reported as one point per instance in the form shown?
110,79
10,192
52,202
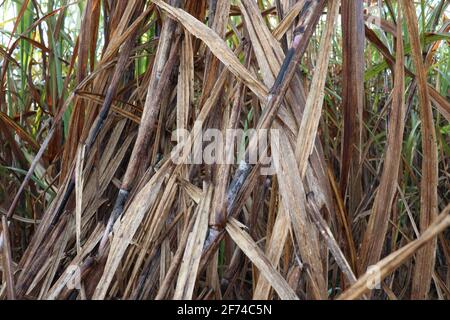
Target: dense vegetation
94,207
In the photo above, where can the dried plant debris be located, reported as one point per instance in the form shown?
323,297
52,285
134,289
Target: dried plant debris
245,149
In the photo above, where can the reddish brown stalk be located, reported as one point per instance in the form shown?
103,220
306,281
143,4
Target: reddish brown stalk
352,98
98,124
425,258
89,22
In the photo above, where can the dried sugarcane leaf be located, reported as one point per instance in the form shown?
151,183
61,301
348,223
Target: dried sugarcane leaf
125,229
217,46
254,253
378,222
187,275
425,259
313,109
389,264
294,201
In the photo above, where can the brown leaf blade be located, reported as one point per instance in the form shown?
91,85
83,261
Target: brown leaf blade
375,233
425,258
254,253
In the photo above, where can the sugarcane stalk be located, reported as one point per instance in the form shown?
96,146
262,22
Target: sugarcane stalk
99,123
146,129
310,16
